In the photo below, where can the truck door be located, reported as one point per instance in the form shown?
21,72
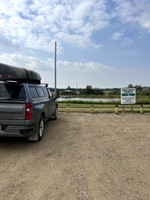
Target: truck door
52,105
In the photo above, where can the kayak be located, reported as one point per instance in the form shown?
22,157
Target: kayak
12,73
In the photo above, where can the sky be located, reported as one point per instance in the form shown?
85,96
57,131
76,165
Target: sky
102,43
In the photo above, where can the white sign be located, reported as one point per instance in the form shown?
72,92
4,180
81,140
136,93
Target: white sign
128,95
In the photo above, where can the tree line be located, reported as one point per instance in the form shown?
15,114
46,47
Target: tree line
89,90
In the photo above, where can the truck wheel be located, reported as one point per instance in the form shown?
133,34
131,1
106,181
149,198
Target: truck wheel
41,128
38,135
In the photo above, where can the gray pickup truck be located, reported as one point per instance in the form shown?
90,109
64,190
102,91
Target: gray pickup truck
25,105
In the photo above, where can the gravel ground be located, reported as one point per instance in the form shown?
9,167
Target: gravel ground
81,157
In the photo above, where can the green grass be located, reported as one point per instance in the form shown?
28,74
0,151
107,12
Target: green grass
100,108
143,99
88,102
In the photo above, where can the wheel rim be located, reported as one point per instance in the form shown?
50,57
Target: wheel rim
41,128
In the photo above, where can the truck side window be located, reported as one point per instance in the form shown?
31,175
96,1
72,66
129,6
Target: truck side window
40,91
33,92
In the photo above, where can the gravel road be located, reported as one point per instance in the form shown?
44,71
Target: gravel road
81,157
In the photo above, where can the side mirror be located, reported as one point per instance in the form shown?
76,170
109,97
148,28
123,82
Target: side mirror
55,97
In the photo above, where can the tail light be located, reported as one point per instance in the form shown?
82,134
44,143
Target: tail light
28,111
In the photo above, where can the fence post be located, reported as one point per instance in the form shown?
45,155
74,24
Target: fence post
92,108
116,109
68,108
141,109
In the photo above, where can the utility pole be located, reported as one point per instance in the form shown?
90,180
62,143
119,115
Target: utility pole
55,68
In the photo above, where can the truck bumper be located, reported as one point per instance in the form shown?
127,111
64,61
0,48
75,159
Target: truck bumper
16,131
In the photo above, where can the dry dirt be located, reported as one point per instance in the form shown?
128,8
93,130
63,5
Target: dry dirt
81,157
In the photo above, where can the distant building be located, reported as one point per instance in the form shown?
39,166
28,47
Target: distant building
68,92
146,88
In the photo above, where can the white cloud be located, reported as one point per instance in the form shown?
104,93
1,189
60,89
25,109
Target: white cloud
29,62
36,25
69,73
117,36
120,36
34,63
136,12
83,67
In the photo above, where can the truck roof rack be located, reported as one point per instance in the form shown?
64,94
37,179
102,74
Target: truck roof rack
12,73
46,84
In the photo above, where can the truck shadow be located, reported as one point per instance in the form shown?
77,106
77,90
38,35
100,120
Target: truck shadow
7,140
21,143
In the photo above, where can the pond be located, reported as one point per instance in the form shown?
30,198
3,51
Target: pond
89,99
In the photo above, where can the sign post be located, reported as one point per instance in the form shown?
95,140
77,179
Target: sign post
128,96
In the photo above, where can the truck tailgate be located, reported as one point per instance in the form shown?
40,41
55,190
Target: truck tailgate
12,111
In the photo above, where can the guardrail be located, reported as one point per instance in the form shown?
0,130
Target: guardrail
103,108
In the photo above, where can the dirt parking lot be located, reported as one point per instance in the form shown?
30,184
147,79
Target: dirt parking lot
81,157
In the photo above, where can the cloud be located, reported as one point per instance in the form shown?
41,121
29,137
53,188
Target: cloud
11,44
34,63
117,36
120,36
135,12
68,73
28,62
124,40
37,26
83,67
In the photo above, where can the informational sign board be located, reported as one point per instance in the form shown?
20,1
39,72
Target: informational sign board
128,95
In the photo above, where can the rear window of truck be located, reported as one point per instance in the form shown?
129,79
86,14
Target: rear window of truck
12,91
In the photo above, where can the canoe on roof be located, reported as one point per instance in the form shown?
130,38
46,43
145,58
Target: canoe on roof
12,73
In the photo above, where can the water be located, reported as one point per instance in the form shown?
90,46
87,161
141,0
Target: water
88,99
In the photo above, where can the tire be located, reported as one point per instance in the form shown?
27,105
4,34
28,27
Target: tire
41,128
38,135
54,117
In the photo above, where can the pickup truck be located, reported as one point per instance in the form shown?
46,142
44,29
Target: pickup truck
24,108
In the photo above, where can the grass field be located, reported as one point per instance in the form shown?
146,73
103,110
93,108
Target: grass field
103,107
99,108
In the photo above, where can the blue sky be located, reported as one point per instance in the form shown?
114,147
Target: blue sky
101,43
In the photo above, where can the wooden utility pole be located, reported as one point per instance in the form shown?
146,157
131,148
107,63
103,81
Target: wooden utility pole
55,68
